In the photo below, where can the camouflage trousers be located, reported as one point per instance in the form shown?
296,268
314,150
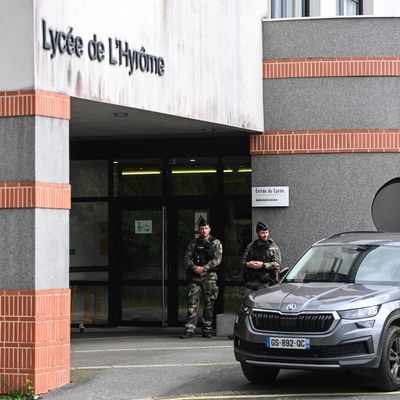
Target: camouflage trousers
209,290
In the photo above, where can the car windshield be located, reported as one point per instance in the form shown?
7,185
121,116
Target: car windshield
349,264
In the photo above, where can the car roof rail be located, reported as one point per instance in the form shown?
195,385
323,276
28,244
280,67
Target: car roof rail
350,233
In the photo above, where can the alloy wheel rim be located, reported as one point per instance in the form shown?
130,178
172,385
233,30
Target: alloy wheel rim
394,358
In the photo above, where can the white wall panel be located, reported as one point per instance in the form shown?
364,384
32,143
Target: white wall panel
212,52
16,45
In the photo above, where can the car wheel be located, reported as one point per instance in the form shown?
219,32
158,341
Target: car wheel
388,374
263,375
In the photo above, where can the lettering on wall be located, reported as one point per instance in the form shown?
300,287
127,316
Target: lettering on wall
115,51
270,196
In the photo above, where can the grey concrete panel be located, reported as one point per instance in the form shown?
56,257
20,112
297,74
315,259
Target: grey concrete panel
328,193
332,37
52,150
34,149
51,249
34,249
17,249
331,103
17,155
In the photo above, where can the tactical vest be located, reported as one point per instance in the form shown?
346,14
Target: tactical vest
203,251
259,253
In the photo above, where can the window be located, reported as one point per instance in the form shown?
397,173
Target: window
289,8
138,178
89,178
348,7
237,175
193,176
89,234
385,209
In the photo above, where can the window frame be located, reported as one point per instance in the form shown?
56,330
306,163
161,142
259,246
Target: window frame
282,6
340,7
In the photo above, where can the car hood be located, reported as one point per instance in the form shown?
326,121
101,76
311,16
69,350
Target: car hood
318,296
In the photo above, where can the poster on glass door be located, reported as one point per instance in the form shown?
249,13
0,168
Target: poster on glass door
143,227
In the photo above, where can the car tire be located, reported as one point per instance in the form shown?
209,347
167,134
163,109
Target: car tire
263,375
388,374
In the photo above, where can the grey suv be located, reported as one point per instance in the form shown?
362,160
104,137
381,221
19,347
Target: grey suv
337,307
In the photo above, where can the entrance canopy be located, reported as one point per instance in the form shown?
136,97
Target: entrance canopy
92,119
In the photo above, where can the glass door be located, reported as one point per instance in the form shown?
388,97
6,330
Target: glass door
141,266
183,220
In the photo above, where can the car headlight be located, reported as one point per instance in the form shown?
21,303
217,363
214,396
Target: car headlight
244,310
358,313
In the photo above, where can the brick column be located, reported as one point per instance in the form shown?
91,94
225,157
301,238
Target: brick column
35,199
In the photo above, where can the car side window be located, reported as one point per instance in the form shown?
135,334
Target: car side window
380,265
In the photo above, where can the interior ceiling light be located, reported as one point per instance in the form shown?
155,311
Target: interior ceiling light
228,170
244,170
115,162
194,171
120,114
155,172
192,160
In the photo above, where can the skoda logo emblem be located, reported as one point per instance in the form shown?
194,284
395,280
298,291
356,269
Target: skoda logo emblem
291,307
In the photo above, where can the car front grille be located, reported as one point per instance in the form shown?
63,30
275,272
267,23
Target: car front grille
275,322
342,350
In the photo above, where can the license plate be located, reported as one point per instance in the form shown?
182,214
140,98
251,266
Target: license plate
287,343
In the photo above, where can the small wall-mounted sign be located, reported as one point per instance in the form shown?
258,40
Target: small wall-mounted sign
143,227
270,196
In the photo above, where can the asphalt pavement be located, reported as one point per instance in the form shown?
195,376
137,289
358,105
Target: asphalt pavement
154,363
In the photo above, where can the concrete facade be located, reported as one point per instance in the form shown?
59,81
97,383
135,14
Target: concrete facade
177,60
326,103
333,189
329,193
34,294
333,109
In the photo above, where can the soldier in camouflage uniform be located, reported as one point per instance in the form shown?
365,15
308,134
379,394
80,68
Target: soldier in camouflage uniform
202,257
261,260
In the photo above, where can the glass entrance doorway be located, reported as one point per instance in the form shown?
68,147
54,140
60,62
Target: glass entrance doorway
131,221
152,274
142,265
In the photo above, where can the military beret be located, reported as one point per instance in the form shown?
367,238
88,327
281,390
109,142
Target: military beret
261,227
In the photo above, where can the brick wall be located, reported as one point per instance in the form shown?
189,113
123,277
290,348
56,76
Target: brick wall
328,141
34,102
35,339
35,324
35,194
330,67
332,141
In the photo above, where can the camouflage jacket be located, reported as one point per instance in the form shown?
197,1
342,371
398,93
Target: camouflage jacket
274,254
210,267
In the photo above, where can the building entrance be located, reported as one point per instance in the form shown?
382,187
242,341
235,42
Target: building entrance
151,275
131,221
142,265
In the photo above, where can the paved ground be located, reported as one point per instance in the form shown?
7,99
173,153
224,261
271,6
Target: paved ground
131,364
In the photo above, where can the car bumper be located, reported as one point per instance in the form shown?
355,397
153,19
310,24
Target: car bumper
343,347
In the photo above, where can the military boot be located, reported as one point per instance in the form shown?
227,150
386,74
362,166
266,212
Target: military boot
187,335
